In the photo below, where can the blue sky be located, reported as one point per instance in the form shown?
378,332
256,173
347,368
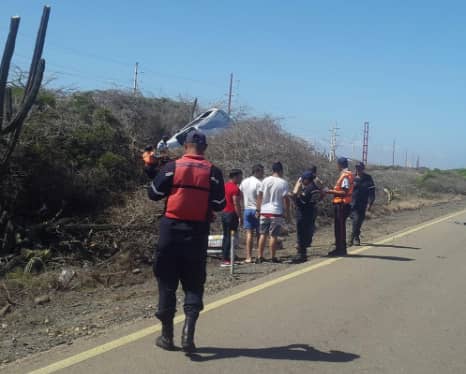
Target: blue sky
401,65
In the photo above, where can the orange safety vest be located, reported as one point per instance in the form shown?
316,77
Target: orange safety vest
189,196
148,157
338,187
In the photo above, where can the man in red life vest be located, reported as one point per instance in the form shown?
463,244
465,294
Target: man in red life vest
195,188
342,195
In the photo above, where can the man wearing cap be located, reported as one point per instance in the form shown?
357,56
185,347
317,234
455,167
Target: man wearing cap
194,189
162,146
342,197
363,199
306,195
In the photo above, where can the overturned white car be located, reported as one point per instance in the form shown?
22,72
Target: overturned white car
211,121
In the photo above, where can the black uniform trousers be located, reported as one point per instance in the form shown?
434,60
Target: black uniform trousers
181,257
229,223
358,215
305,226
341,212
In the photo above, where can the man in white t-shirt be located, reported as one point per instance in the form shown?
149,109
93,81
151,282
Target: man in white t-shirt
250,188
273,208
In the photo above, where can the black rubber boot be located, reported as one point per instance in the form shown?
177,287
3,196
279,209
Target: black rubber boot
165,341
187,337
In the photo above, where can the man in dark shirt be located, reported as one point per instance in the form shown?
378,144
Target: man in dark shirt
195,189
306,195
363,199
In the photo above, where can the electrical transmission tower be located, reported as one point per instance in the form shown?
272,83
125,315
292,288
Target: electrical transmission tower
365,146
230,93
333,143
393,152
135,82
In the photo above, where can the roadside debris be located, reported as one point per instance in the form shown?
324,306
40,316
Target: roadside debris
40,300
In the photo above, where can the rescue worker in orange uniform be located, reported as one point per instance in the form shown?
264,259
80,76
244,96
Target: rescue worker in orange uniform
194,189
342,196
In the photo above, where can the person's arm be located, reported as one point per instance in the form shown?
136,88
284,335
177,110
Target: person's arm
162,183
286,203
345,186
259,203
217,190
371,194
237,205
297,187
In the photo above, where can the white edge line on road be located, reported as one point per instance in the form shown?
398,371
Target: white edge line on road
96,351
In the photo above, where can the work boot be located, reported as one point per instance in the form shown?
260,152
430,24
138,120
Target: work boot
165,340
337,253
187,337
300,257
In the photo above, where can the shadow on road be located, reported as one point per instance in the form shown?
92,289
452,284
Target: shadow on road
293,352
391,258
388,246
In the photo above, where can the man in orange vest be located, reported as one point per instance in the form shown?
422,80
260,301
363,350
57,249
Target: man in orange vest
342,195
195,189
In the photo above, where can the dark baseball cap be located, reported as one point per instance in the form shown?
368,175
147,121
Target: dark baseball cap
196,137
360,165
308,175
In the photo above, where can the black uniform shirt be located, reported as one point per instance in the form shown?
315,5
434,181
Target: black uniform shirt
306,200
364,191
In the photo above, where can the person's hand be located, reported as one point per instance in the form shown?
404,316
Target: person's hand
326,190
240,221
258,214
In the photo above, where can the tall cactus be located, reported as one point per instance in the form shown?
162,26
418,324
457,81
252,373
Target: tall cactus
11,123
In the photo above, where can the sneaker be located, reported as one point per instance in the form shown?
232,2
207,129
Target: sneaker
276,260
225,264
357,241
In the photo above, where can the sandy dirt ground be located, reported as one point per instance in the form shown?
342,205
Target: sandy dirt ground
122,297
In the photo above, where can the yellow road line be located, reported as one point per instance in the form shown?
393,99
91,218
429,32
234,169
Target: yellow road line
96,351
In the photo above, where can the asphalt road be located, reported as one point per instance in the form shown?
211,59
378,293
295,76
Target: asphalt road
398,307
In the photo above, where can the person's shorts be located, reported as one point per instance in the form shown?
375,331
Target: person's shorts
271,225
251,222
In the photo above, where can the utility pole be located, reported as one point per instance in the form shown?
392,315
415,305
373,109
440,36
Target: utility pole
230,93
352,149
365,146
406,159
333,143
135,84
393,152
194,109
